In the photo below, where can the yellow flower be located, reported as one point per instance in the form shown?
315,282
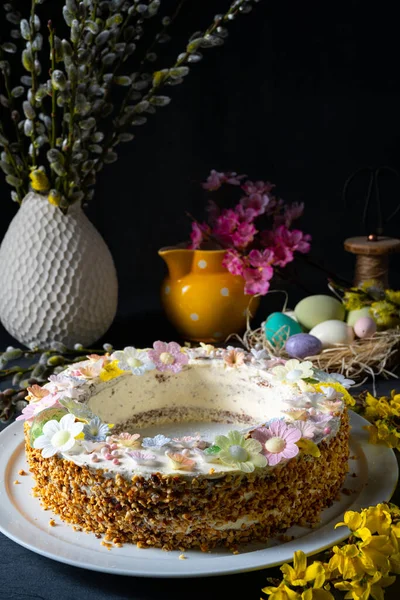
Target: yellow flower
393,296
385,314
300,574
110,371
353,300
375,551
378,519
308,447
348,398
208,348
353,520
282,592
39,181
347,561
363,588
316,594
54,198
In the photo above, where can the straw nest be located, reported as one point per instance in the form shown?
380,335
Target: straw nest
368,357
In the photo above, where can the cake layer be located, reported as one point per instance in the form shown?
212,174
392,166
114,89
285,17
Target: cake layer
174,512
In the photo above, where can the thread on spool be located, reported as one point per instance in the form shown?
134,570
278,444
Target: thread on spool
372,267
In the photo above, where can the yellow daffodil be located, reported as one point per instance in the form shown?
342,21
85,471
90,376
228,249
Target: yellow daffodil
39,181
282,592
110,371
300,574
346,560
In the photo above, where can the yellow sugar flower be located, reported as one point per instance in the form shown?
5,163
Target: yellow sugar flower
39,181
347,561
309,447
110,371
300,574
282,592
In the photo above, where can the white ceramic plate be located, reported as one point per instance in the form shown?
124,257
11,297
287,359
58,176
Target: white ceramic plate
24,522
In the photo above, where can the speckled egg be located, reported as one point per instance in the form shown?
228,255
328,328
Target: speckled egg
354,315
302,345
316,309
365,327
333,332
278,327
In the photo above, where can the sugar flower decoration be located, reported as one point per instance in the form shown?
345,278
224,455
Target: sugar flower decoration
131,359
157,442
339,378
234,358
79,410
58,436
278,441
297,414
142,458
34,408
180,461
36,393
96,430
208,349
64,386
110,371
244,454
306,428
94,446
293,371
129,440
209,455
168,357
90,369
188,441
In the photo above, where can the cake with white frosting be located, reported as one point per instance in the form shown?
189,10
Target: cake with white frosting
178,448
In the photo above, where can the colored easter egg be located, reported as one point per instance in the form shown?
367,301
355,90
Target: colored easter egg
365,327
316,309
302,345
48,414
354,315
278,327
333,332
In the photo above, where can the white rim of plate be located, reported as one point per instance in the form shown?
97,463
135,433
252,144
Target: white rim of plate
20,523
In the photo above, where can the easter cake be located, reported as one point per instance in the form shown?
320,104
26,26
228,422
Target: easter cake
179,448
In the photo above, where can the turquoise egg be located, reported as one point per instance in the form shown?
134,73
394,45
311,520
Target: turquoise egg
279,327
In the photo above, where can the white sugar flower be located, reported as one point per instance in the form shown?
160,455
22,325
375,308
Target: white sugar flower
293,371
142,458
58,436
260,354
131,359
96,430
157,442
339,378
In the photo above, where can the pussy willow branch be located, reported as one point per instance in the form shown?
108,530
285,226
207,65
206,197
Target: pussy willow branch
54,91
34,80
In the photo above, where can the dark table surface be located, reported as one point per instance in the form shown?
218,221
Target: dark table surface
25,575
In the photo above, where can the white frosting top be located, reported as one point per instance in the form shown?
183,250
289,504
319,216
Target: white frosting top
180,409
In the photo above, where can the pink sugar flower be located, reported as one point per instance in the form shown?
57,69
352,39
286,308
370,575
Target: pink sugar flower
234,358
257,280
36,393
33,408
306,428
233,262
168,357
278,441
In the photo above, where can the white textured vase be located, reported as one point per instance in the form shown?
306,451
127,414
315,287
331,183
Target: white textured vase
57,276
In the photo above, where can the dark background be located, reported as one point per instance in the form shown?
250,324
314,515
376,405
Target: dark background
302,94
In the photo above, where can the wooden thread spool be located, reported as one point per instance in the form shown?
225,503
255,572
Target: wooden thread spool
372,254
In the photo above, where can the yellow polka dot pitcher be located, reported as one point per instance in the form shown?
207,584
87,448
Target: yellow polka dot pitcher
203,301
